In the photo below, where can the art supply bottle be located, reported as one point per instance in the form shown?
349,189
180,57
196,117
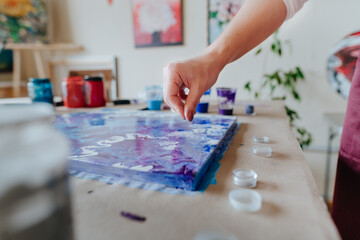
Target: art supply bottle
226,100
250,109
94,92
203,105
73,92
154,95
34,187
40,90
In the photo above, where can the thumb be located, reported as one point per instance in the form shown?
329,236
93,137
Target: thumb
191,102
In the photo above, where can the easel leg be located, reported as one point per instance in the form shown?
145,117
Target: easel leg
17,72
39,64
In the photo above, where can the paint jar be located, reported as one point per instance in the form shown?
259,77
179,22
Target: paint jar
40,90
250,109
154,96
203,105
94,92
226,100
34,187
73,92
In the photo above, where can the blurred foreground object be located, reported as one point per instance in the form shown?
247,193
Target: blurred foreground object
34,193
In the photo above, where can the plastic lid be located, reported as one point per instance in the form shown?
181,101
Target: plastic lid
244,177
245,200
262,151
74,79
261,139
94,78
39,80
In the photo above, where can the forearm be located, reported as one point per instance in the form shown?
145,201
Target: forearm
255,21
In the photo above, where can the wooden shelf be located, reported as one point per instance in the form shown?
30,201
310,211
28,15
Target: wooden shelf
43,46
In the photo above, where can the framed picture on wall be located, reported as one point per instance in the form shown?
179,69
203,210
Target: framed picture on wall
220,13
24,21
157,22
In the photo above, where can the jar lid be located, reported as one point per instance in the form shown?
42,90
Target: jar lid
95,78
74,79
244,177
39,80
245,200
262,151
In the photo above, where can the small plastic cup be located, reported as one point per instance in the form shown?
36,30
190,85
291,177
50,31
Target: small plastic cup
244,177
226,99
261,139
245,200
262,151
203,105
154,97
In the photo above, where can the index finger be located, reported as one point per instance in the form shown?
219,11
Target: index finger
172,85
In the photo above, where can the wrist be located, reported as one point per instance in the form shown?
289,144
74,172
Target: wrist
218,59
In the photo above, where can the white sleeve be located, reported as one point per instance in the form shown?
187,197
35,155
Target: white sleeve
293,6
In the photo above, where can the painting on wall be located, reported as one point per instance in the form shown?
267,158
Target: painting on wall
23,21
220,13
157,22
342,62
147,146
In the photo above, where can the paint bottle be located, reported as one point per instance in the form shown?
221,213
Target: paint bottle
250,109
34,187
94,92
154,96
203,105
73,92
40,90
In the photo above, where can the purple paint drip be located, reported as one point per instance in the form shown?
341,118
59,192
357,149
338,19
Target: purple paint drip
132,216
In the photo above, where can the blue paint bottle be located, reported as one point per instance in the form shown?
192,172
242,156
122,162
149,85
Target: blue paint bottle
40,90
249,109
154,104
203,105
154,97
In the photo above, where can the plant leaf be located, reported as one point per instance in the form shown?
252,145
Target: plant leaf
248,86
258,51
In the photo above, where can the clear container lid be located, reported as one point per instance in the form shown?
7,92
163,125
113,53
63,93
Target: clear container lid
245,200
244,177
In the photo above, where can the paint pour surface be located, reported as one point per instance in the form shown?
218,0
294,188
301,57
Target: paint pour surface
146,146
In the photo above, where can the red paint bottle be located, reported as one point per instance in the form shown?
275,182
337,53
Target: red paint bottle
94,92
73,92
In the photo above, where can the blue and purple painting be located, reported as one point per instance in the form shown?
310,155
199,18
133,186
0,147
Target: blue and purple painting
147,146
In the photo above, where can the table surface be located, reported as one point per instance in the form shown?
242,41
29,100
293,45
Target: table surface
292,207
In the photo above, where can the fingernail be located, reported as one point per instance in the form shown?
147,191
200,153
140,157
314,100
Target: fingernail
189,116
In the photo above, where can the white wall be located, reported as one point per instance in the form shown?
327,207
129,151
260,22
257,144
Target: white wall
104,29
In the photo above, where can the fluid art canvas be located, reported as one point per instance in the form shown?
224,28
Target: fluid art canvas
157,22
341,63
23,21
221,12
147,146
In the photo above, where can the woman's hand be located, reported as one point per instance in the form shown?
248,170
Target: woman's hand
254,22
197,74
